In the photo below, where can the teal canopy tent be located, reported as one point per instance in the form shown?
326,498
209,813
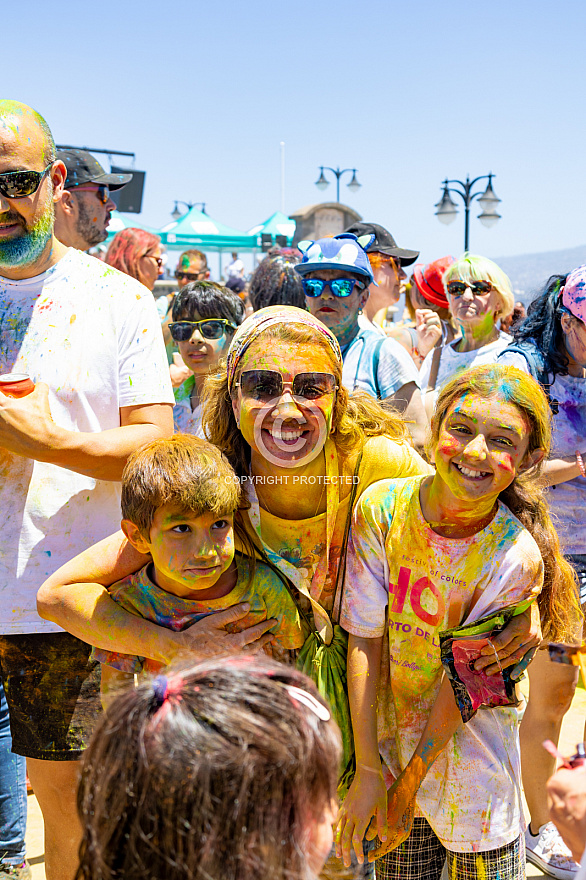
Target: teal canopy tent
120,221
277,224
199,230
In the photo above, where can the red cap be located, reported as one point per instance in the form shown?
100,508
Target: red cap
429,280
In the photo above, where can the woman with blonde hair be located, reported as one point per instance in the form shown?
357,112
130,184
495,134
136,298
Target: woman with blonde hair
479,295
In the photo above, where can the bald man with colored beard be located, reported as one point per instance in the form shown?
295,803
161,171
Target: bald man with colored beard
90,339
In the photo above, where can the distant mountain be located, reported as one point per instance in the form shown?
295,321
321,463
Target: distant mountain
529,272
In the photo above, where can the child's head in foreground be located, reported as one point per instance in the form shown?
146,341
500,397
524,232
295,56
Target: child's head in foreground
226,770
179,497
205,317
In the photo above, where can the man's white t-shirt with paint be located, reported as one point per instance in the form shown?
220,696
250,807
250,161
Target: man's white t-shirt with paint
94,336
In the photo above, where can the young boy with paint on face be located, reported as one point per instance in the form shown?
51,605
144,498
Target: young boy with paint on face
205,317
426,554
179,497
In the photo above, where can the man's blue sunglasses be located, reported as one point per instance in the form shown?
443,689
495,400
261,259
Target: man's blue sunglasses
339,286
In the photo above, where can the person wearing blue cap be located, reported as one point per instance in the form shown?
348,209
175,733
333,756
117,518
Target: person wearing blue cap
336,275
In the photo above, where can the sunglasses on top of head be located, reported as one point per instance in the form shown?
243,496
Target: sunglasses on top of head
340,287
265,385
209,328
20,184
458,288
102,191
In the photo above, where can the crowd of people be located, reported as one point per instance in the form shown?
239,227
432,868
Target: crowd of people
390,514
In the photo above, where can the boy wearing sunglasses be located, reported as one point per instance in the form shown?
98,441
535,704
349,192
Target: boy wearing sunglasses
205,317
83,213
336,275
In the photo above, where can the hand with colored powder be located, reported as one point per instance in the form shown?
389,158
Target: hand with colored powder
366,800
518,640
400,809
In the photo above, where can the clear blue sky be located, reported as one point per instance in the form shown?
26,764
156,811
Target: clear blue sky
408,93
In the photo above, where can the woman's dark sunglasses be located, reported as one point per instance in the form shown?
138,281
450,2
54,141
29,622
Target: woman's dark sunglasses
210,328
458,288
267,385
339,286
19,184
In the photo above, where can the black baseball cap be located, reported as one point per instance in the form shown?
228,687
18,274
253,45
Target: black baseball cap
383,243
83,168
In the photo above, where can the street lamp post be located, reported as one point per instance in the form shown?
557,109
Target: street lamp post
447,209
176,213
322,183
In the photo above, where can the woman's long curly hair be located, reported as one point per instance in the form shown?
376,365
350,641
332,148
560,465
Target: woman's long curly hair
356,416
215,772
558,601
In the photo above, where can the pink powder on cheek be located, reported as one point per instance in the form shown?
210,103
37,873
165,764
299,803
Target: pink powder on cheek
505,463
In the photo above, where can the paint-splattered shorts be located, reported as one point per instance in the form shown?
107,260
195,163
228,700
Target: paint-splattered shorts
422,857
53,693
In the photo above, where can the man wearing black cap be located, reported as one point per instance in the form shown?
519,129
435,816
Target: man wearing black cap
83,213
387,260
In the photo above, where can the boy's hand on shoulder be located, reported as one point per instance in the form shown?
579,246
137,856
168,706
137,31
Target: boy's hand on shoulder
367,799
208,637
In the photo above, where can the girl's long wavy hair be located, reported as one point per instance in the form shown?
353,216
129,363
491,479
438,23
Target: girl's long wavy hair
216,771
558,601
356,416
543,327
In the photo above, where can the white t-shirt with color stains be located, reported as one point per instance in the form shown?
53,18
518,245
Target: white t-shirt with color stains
471,795
94,336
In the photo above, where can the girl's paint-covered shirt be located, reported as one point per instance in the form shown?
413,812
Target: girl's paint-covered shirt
471,795
267,595
567,501
185,419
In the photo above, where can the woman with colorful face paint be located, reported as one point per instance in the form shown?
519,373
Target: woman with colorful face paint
226,769
479,294
551,344
205,316
474,538
336,275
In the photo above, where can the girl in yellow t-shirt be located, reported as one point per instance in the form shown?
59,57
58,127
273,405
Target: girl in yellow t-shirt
426,554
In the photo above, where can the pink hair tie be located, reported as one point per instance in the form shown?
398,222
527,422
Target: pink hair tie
580,463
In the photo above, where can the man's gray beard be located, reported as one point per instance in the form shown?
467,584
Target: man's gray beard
25,249
86,228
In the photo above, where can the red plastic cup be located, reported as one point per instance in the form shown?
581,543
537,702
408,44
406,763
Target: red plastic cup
16,384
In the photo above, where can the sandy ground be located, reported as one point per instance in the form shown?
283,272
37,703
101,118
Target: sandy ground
572,733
